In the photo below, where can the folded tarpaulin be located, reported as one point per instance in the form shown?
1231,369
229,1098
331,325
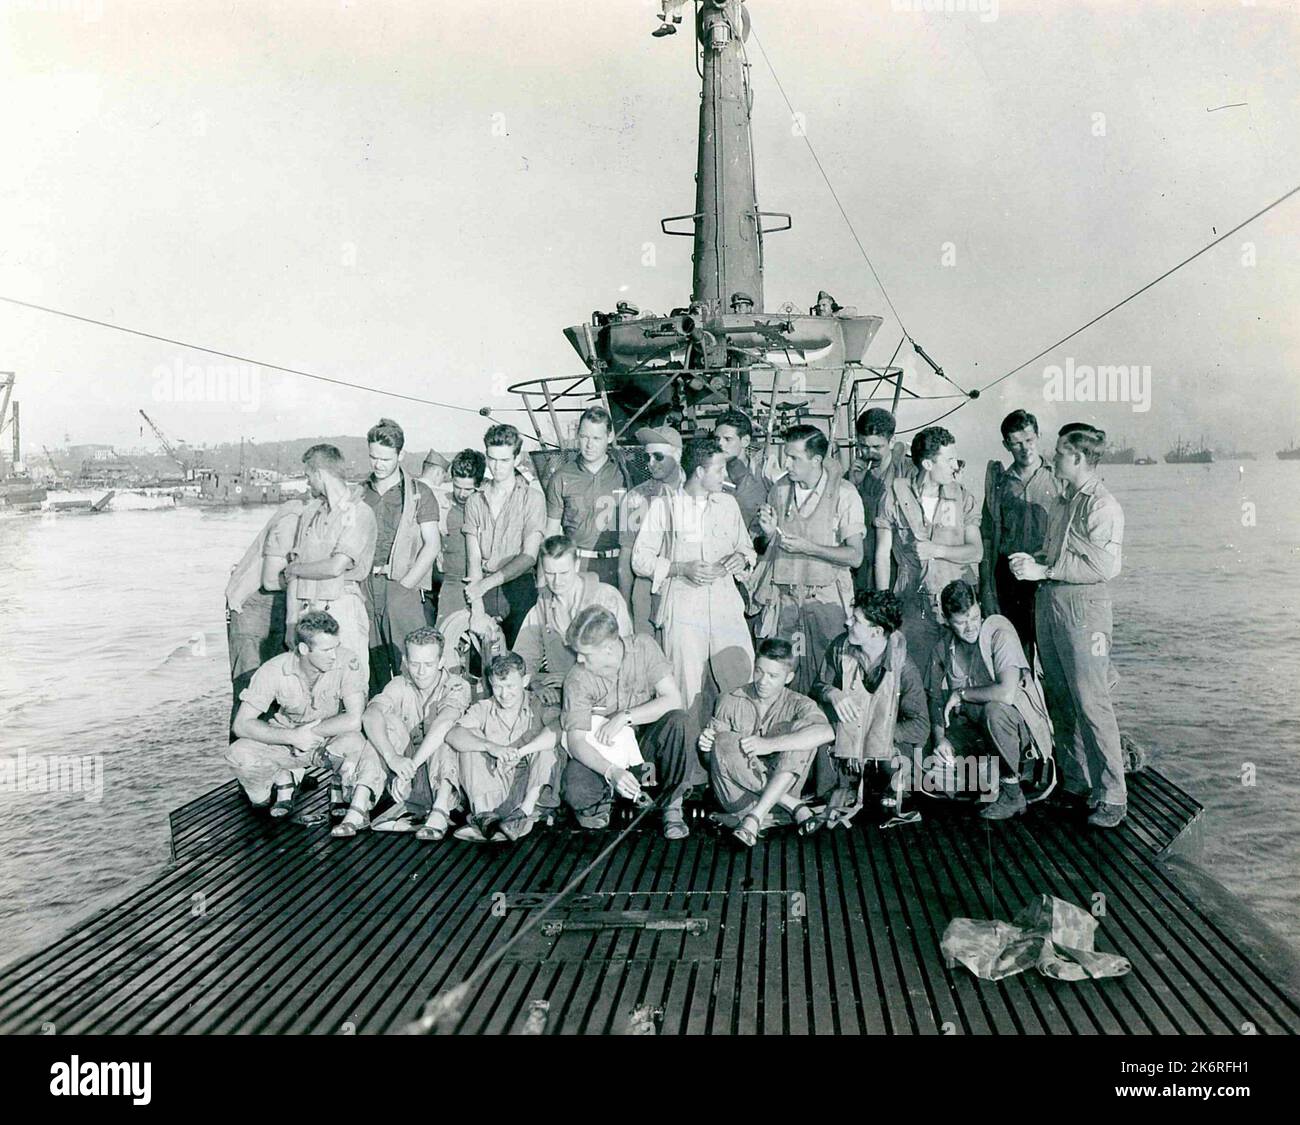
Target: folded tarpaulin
1051,934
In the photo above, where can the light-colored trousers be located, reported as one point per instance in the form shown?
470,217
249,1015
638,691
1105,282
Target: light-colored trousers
1073,625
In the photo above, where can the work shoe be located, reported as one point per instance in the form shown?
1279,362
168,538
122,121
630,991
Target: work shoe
594,817
1064,803
664,29
1108,816
1010,802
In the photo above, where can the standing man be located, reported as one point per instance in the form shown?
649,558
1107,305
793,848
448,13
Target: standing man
1017,502
735,434
504,526
467,472
876,466
332,553
255,599
616,684
319,693
929,525
434,474
663,447
814,525
693,546
1073,624
583,494
406,547
564,592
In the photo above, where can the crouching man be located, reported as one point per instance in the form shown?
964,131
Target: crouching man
984,697
760,744
404,748
319,692
621,706
875,697
506,756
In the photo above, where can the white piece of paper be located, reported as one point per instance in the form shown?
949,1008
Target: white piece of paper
624,752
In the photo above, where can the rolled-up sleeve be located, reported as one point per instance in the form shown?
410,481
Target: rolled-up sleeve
850,516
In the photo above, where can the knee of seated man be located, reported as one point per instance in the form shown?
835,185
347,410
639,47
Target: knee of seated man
347,745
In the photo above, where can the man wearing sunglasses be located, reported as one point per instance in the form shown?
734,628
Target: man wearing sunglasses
663,447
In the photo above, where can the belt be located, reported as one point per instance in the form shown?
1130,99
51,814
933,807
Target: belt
379,570
583,553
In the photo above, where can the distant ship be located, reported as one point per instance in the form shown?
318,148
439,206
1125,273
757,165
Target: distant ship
1184,454
1290,453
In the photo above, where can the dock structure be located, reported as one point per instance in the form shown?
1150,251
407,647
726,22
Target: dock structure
262,927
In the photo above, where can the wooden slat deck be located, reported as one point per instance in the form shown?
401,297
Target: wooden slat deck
261,927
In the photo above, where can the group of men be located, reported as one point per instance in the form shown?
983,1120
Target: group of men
473,646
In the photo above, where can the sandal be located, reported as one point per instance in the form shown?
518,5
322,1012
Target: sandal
431,831
348,827
283,805
515,827
338,804
747,836
808,823
675,826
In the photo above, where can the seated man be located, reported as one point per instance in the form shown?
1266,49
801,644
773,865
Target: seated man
983,695
562,593
404,747
875,697
505,755
617,683
309,686
760,744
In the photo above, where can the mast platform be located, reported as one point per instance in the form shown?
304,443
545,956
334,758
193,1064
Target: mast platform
262,927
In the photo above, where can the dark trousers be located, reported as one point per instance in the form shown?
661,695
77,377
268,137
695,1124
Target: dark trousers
605,570
663,743
254,634
510,603
430,600
1016,603
394,612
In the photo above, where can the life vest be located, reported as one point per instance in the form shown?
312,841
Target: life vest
817,527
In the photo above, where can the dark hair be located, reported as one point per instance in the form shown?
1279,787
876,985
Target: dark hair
737,419
597,414
875,423
424,635
697,452
957,597
594,625
504,664
815,443
880,607
1085,439
471,464
775,648
325,457
928,442
387,432
503,433
1018,420
313,624
557,546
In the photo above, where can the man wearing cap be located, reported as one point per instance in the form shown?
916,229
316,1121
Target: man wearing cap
742,303
582,497
504,525
815,527
434,476
826,305
626,310
406,547
663,447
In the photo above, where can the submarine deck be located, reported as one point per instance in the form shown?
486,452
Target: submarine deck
259,927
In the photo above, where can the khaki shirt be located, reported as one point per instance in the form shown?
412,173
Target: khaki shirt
585,693
282,681
1085,536
501,537
492,724
401,699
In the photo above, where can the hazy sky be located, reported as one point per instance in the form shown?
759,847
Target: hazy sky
420,196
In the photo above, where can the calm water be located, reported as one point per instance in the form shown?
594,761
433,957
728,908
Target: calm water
113,643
